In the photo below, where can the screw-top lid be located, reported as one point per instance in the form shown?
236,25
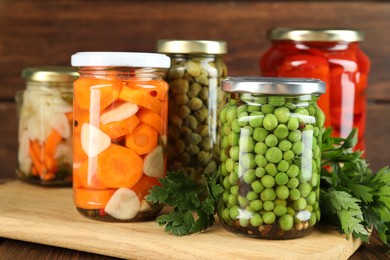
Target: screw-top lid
315,35
273,86
121,59
50,74
191,46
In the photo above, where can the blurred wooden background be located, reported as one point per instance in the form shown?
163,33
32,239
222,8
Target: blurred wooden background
34,33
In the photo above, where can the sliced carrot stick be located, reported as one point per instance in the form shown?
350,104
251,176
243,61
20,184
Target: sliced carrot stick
52,141
91,199
141,98
50,162
34,171
151,119
35,154
143,186
120,128
108,91
118,167
142,140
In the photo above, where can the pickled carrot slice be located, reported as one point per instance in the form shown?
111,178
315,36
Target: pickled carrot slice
92,199
151,119
143,186
141,98
120,128
143,139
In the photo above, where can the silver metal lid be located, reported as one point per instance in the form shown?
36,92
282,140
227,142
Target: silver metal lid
191,46
315,35
273,86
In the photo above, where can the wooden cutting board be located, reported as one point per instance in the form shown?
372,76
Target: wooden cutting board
48,216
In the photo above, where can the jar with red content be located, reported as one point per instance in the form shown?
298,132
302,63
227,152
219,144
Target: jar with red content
119,133
333,56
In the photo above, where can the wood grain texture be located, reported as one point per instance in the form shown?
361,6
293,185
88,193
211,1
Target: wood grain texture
48,32
57,223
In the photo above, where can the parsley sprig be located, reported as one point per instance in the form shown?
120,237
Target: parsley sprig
194,205
352,196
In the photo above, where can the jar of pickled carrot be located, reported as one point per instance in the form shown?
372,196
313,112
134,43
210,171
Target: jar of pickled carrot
119,133
45,125
333,56
195,102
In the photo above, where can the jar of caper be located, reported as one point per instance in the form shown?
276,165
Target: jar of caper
195,101
271,156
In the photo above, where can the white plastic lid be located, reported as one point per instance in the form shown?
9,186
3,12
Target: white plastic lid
121,59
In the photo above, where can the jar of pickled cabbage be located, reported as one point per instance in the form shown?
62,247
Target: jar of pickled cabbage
333,56
120,133
45,125
271,156
195,101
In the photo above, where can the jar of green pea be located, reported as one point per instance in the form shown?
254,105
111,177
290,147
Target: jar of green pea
270,157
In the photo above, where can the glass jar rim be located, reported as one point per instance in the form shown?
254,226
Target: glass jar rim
50,74
315,34
273,85
191,46
121,59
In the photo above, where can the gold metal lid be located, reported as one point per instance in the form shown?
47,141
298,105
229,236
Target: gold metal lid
191,46
315,35
50,74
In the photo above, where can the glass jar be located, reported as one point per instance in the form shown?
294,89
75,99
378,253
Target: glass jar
195,101
45,126
119,133
271,156
333,56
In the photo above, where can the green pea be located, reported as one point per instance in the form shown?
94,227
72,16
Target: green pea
295,136
267,109
247,144
236,126
226,214
268,205
259,134
234,153
288,155
259,172
271,169
257,186
295,194
260,160
299,204
283,166
256,220
312,220
293,123
293,171
225,142
276,101
282,114
247,160
293,183
316,131
316,151
243,118
274,155
231,114
226,184
281,178
253,108
244,222
281,131
298,148
268,194
226,128
223,169
301,111
280,202
311,198
314,179
280,210
234,190
222,115
233,178
286,222
290,211
270,122
269,217
232,200
256,119
285,145
256,205
260,148
229,164
241,108
247,131
305,189
242,201
249,176
233,138
252,196
271,140
282,192
290,106
320,116
268,181
225,195
234,212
